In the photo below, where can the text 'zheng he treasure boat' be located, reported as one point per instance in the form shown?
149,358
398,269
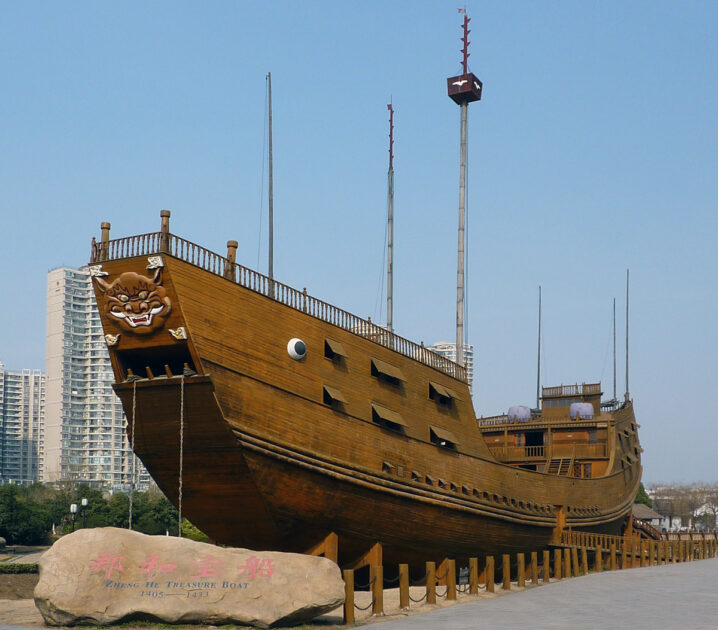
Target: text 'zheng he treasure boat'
280,421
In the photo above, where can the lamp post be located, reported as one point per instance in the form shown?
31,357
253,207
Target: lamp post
73,511
84,503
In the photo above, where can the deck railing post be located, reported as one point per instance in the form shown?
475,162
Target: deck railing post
229,269
489,574
104,240
431,583
473,576
165,231
521,577
534,567
348,596
403,586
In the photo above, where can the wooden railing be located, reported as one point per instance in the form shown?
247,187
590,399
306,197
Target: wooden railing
577,451
159,242
592,541
572,390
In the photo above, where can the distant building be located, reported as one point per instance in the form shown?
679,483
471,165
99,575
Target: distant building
448,349
22,403
85,439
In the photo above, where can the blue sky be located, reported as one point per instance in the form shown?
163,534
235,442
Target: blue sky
592,151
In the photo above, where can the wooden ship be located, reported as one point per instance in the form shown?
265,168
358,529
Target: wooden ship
279,421
275,420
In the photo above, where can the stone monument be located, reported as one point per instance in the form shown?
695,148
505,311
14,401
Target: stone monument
106,575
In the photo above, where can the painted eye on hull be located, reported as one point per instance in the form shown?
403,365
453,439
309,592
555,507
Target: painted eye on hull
142,295
297,349
123,298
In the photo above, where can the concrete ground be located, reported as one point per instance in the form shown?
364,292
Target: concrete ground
652,598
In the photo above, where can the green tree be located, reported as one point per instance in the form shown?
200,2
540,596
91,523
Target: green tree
642,497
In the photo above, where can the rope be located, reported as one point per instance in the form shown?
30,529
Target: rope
132,446
373,601
392,581
418,582
367,585
418,601
181,456
446,592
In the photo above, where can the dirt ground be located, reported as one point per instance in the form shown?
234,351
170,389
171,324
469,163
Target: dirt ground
17,586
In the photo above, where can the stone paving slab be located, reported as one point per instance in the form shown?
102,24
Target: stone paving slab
671,597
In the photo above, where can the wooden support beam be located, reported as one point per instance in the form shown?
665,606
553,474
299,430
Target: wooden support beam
404,586
534,567
372,557
521,577
348,596
613,557
584,560
598,559
327,547
567,563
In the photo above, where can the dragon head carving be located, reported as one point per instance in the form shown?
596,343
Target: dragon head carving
140,304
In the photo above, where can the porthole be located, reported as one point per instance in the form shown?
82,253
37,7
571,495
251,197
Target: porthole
297,349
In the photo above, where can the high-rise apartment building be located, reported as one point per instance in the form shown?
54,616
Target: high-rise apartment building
85,440
22,402
448,349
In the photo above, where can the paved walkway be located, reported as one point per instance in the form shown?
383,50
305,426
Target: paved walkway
669,597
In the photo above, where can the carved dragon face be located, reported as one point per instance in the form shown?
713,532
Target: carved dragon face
140,304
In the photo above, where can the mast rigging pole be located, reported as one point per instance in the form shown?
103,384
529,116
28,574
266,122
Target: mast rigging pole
390,228
463,89
271,181
614,350
538,370
628,395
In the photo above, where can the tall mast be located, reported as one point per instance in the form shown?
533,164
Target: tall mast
538,369
270,272
463,89
628,395
390,228
614,350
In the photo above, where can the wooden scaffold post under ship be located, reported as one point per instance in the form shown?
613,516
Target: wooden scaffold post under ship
463,89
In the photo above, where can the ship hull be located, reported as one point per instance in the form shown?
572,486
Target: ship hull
258,455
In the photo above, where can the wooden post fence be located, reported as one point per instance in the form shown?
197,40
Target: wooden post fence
546,566
430,583
473,576
489,574
506,568
348,596
376,576
521,578
534,567
403,586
